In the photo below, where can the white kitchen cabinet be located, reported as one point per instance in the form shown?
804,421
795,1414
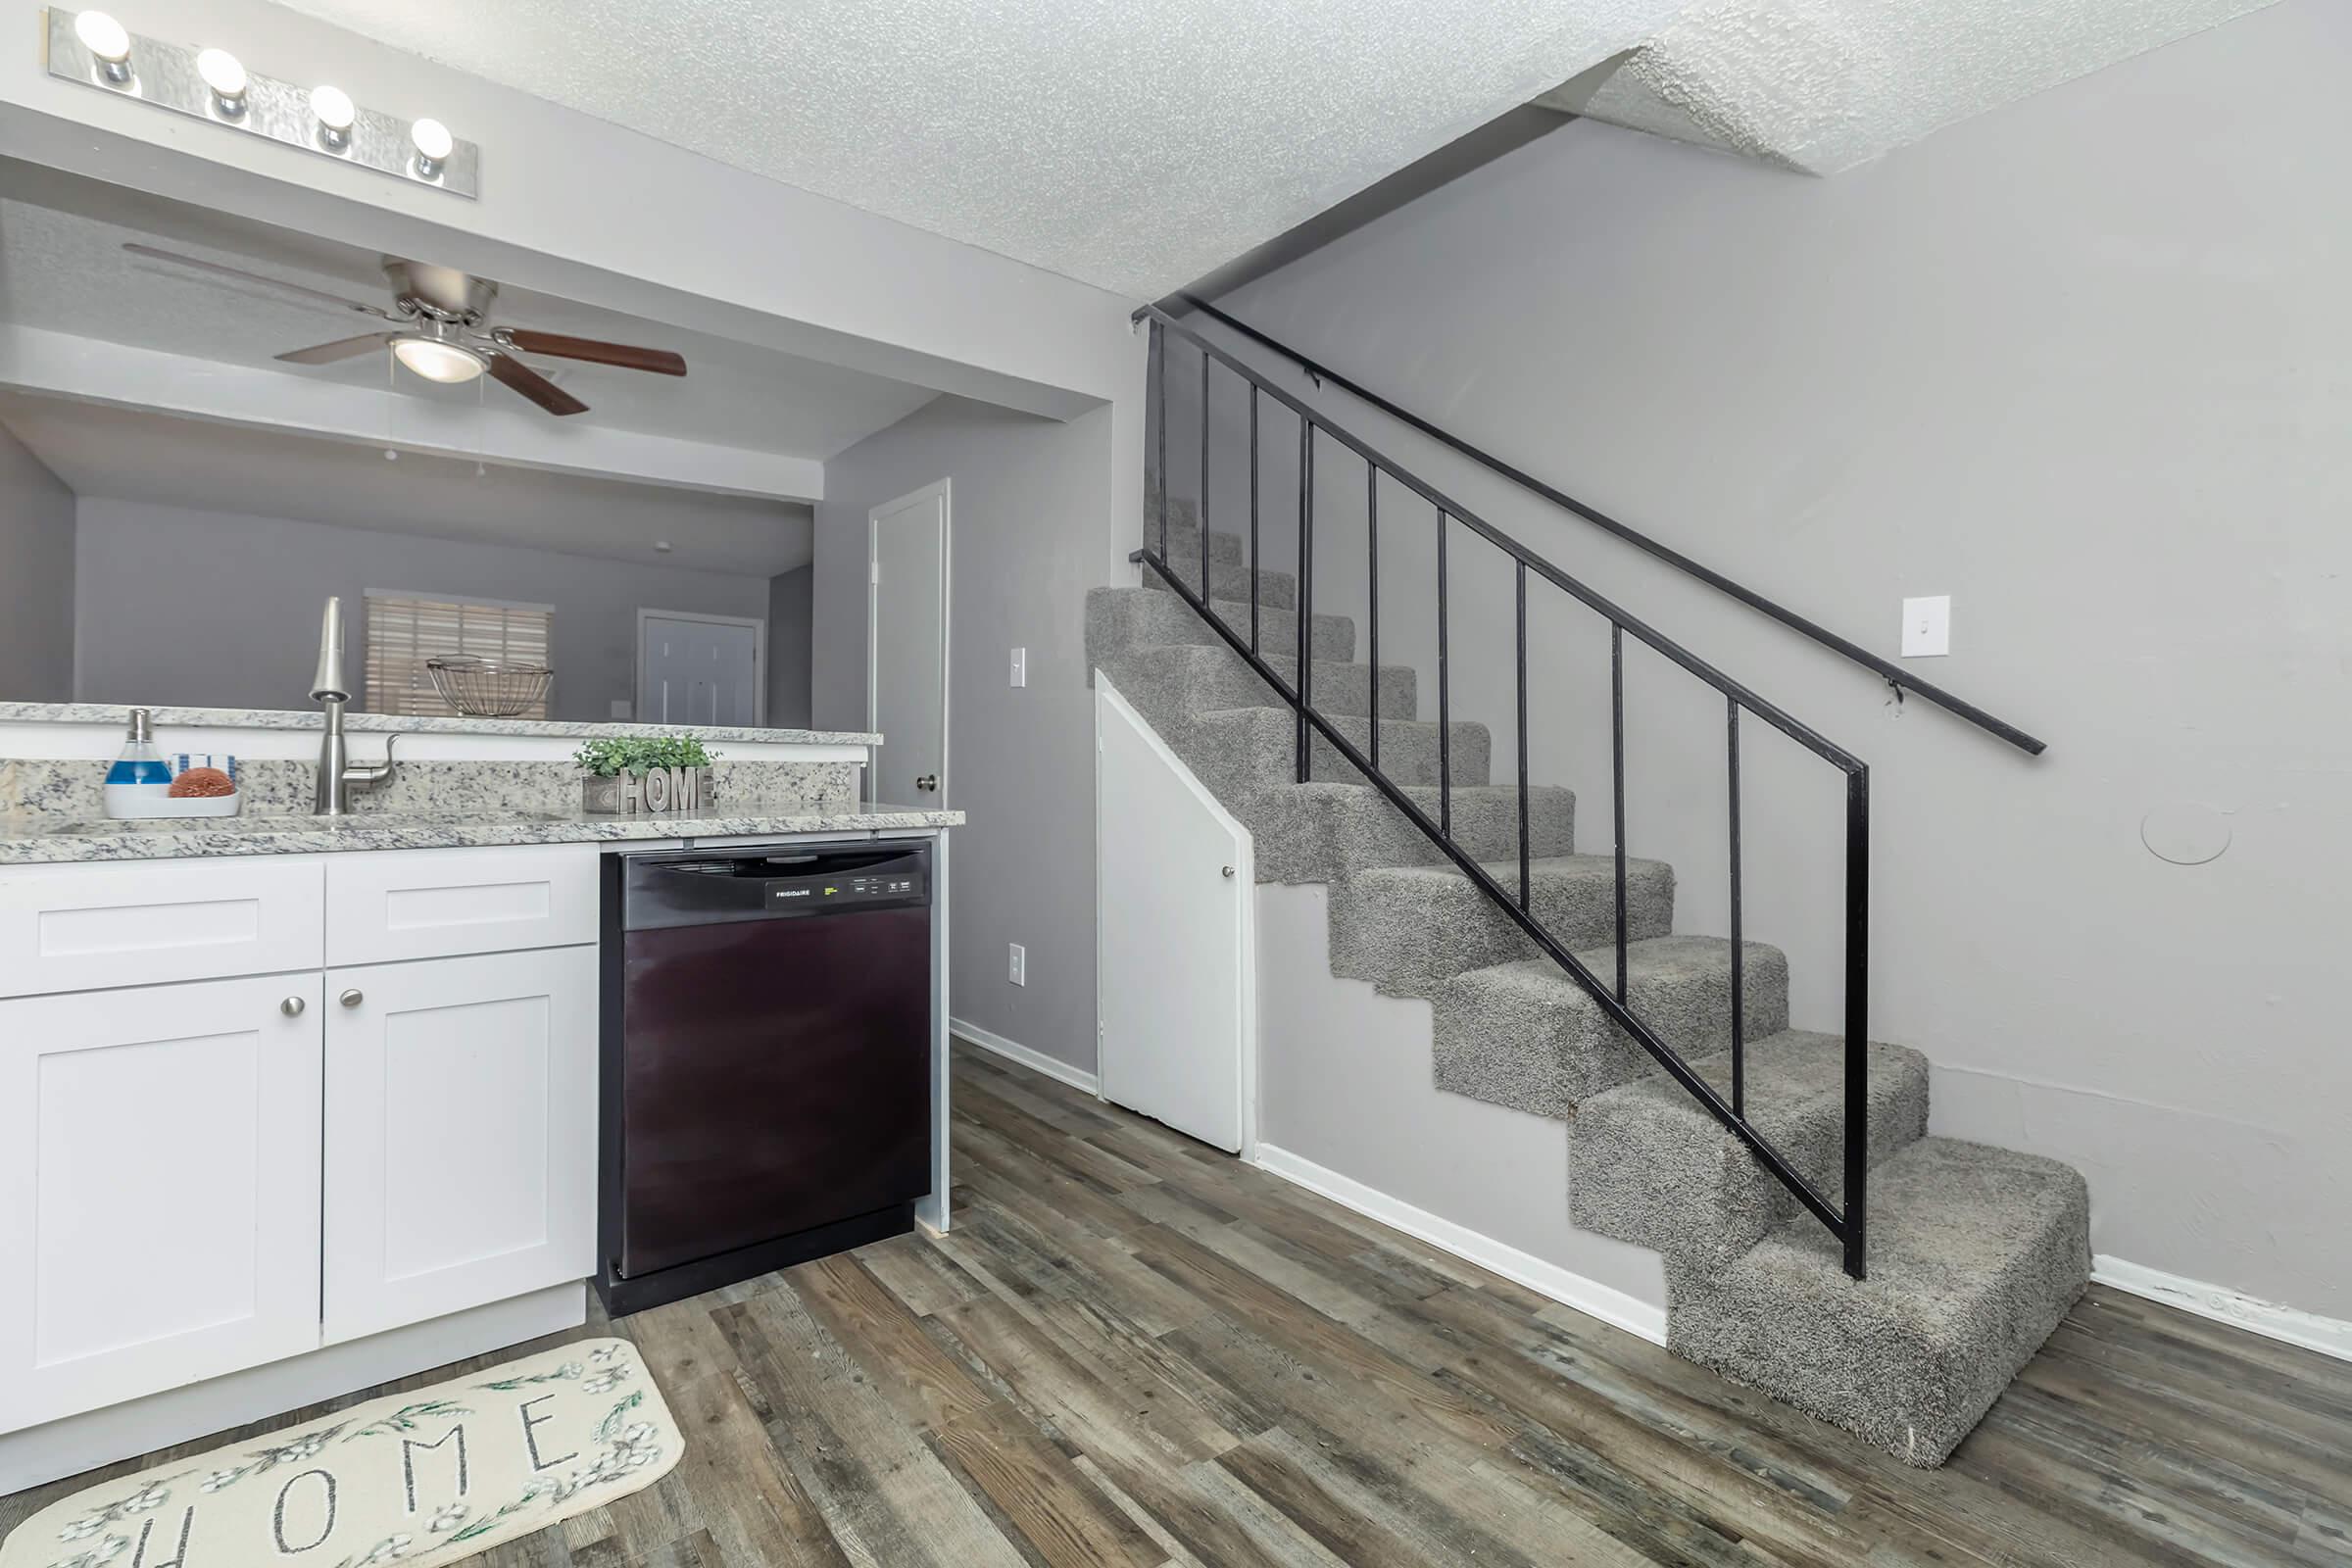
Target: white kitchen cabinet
158,1188
460,1134
149,923
440,903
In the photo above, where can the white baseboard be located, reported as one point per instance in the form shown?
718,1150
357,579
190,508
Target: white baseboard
1035,1060
1587,1296
2329,1335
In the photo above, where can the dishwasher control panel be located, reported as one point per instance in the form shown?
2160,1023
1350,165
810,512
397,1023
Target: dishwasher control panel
899,885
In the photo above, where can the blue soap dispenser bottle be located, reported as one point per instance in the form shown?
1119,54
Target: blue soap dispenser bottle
140,781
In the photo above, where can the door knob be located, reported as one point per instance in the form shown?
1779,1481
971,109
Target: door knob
292,1007
928,782
351,998
1228,872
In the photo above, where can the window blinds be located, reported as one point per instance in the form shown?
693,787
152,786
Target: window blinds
404,630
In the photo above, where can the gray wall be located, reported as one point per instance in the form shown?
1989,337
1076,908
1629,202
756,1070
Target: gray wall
2077,364
36,579
789,647
1025,525
219,610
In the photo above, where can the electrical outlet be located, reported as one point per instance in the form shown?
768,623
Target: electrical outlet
1020,667
1017,966
1928,627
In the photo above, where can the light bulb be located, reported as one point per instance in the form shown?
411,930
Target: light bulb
334,107
103,36
226,76
435,359
432,140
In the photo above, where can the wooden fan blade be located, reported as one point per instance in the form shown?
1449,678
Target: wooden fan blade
340,349
520,377
629,357
316,296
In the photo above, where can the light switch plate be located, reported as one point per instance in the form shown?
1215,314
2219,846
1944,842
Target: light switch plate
1020,667
1928,627
622,708
1017,968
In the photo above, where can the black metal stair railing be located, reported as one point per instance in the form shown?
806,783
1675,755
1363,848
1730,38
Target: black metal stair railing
1846,1219
1894,675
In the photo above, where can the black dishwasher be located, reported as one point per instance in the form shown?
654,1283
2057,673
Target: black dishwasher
766,1060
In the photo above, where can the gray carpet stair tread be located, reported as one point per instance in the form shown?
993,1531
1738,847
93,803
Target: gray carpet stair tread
1528,1036
1123,618
1410,929
1651,1165
1237,749
1230,579
1173,678
1323,831
1976,1253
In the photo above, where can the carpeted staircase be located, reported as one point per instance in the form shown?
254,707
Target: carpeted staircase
1975,1252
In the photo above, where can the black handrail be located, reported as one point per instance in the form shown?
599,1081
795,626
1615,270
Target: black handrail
1849,1225
1894,674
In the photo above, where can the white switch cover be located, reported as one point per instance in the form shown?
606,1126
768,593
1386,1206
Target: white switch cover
1928,627
1018,968
1020,667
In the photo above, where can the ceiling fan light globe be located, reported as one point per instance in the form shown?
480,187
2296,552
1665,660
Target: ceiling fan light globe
334,109
436,361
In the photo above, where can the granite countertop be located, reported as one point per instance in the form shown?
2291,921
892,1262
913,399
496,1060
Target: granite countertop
115,716
32,839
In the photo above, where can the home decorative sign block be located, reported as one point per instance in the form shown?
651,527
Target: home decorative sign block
657,790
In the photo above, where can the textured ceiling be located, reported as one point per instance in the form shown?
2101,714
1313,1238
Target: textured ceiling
132,454
1132,144
66,270
1822,86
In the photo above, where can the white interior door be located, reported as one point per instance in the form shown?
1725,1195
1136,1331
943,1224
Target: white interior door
1175,988
159,1188
460,1134
907,649
699,670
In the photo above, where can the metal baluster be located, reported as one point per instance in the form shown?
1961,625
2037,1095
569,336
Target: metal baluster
1254,516
1306,588
1523,858
1159,381
1739,953
1445,701
1617,778
1372,571
1857,1020
1206,597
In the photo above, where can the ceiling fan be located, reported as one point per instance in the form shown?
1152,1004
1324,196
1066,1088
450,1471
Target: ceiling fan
440,329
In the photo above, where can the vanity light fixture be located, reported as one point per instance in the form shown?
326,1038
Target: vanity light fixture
105,38
224,74
437,361
336,114
433,144
214,84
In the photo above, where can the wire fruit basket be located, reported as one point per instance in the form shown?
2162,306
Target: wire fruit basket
484,688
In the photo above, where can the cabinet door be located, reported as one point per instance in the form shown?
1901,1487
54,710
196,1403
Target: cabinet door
159,1188
460,1134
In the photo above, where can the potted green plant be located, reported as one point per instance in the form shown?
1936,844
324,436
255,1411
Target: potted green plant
627,775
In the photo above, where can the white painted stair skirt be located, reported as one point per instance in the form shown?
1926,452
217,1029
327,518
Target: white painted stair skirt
1175,938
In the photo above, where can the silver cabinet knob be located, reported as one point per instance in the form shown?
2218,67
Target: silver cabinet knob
928,782
351,998
1229,872
292,1007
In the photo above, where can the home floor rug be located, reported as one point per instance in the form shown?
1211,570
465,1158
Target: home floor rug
418,1479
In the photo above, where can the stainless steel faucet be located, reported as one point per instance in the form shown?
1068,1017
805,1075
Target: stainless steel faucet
337,777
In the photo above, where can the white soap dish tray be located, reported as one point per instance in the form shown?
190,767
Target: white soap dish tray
160,807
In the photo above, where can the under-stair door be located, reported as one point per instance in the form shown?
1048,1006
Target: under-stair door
1176,993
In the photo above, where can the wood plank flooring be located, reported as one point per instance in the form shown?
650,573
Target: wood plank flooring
1134,1351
